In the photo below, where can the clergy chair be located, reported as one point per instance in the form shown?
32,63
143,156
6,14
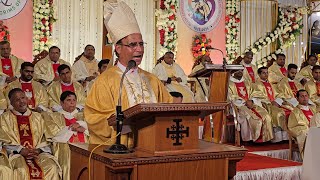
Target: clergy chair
231,125
40,56
293,145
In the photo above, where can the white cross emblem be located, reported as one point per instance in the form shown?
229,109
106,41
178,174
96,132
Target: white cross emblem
269,90
28,93
310,116
242,91
6,67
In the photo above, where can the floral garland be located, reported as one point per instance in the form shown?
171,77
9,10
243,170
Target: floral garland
43,14
199,44
167,23
232,22
4,32
288,29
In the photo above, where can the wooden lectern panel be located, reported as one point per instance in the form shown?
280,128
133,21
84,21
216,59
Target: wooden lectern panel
166,128
210,161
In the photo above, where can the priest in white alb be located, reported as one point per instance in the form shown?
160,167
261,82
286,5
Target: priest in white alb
86,68
173,77
250,70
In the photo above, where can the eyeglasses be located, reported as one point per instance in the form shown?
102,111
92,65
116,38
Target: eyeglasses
134,45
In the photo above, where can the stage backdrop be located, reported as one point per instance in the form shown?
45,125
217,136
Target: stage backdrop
191,23
20,27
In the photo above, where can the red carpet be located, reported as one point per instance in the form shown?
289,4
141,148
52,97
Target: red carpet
255,162
266,146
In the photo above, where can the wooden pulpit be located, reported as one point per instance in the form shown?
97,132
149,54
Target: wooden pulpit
218,91
166,146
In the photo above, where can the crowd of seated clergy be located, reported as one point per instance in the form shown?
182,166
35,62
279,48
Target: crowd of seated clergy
50,96
271,99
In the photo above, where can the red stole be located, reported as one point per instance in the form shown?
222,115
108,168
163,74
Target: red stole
269,90
257,114
251,73
26,140
79,137
67,88
55,69
308,114
28,89
293,88
7,67
283,71
242,90
318,88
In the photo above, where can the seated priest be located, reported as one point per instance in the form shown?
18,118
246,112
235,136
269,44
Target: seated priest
65,83
299,119
66,126
9,65
313,86
202,86
46,70
270,101
102,66
250,70
173,77
37,95
29,153
86,68
277,71
289,86
305,73
255,122
139,86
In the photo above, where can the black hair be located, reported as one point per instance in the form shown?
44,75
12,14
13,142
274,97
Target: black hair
176,94
102,62
292,66
54,47
298,92
14,91
66,94
278,55
63,67
261,68
26,64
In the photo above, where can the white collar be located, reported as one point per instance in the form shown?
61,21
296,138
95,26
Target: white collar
290,80
236,80
246,65
24,81
123,68
264,80
27,113
66,84
306,108
67,114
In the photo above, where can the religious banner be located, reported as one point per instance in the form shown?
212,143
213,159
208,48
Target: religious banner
201,15
204,17
10,8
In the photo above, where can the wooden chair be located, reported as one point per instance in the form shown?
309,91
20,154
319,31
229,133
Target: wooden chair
40,56
231,125
293,146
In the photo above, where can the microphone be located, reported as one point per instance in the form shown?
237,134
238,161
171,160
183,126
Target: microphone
224,62
119,148
131,64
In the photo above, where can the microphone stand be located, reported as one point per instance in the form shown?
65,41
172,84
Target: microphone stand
119,148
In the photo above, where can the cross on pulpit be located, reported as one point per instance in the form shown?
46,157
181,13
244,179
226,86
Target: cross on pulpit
177,132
